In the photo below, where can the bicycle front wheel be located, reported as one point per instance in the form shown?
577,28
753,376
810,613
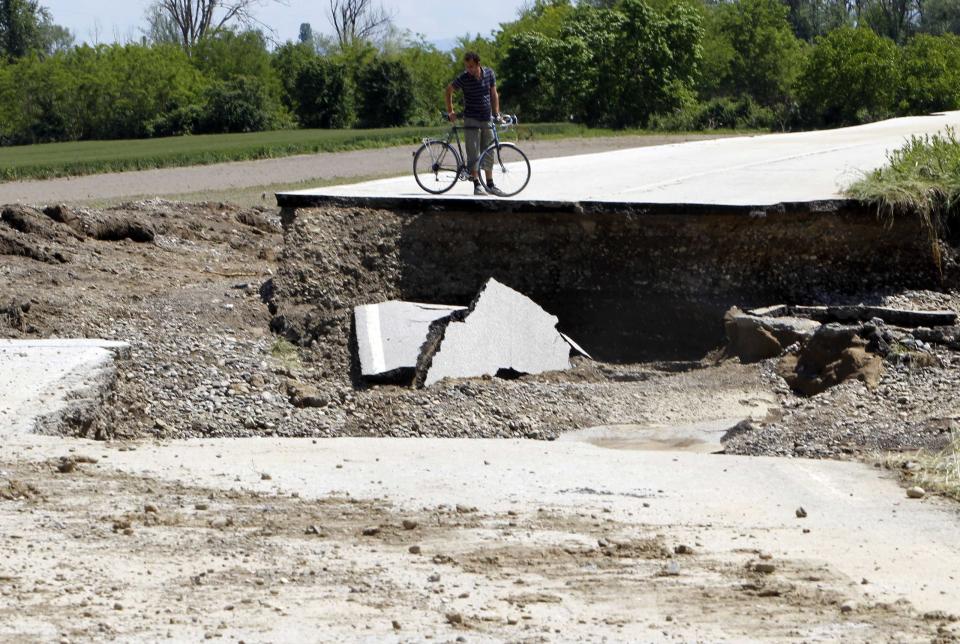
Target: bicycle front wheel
436,166
509,168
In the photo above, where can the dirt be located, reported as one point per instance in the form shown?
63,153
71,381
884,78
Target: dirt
154,560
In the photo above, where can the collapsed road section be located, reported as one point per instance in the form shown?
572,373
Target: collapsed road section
630,282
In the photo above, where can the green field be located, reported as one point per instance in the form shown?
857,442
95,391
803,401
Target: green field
93,157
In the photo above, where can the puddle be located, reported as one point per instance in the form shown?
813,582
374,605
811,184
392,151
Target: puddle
702,437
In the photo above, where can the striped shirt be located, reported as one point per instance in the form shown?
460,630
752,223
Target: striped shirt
476,93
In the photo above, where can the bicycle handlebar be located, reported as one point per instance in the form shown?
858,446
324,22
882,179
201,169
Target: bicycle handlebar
506,120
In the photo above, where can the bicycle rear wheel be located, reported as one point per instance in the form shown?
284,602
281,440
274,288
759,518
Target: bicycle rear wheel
436,166
509,165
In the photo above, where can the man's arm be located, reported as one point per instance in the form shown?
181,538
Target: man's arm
495,100
451,115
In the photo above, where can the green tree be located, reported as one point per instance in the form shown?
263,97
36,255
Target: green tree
26,28
762,54
429,70
931,74
940,17
384,93
324,95
288,60
851,76
241,104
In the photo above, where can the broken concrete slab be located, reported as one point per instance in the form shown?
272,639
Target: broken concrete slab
502,331
55,386
390,334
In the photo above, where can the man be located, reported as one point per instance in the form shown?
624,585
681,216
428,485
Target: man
480,102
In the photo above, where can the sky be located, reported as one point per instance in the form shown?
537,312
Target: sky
440,21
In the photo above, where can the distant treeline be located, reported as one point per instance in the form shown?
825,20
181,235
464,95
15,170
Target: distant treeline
668,64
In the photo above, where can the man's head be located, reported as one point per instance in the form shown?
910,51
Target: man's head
471,60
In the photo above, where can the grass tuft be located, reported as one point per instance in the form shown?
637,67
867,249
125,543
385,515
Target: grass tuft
935,472
285,352
921,179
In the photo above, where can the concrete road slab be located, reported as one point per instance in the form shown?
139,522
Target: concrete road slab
390,334
743,171
40,378
503,330
860,523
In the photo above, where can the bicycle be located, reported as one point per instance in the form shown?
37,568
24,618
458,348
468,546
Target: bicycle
437,165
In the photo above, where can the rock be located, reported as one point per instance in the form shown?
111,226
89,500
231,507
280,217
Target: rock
683,550
916,492
764,567
66,465
396,625
265,477
801,513
410,524
219,523
833,354
455,619
150,508
371,531
201,506
434,578
847,607
414,550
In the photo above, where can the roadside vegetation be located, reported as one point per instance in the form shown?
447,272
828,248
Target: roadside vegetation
935,472
676,65
921,179
49,160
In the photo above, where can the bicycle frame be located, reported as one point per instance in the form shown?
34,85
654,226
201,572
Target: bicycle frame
454,134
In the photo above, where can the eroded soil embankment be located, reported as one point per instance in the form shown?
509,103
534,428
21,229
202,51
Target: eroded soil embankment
630,285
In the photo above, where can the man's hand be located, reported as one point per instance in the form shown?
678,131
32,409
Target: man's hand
452,117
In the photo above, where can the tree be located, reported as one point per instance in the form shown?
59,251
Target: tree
931,74
161,28
385,93
357,20
763,56
324,95
194,19
306,33
27,28
940,17
851,76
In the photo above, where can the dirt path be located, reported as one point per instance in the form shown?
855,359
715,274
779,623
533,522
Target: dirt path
288,170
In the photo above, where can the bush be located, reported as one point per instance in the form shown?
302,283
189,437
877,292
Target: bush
324,95
385,93
931,74
850,77
238,105
716,114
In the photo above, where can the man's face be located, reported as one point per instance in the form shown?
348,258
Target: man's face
473,67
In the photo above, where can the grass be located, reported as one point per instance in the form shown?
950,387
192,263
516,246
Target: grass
51,160
936,473
285,353
921,179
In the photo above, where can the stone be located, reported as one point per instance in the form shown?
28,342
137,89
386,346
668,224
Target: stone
371,531
455,619
503,332
753,337
916,492
801,513
414,550
833,354
409,524
683,549
765,568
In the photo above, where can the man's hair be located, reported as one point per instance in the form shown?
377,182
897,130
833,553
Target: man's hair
472,55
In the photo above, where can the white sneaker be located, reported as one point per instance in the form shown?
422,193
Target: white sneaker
478,190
